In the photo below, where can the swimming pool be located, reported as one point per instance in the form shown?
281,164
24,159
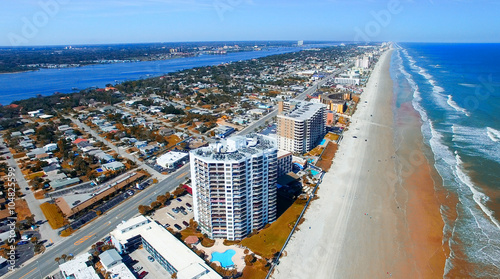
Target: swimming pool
314,172
322,142
225,259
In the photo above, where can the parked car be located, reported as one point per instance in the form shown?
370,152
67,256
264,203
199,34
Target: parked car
137,269
182,208
143,274
189,209
27,188
188,205
151,259
23,242
178,227
166,225
184,212
185,223
179,199
175,210
130,192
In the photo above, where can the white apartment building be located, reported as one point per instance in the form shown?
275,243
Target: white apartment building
301,125
351,78
234,185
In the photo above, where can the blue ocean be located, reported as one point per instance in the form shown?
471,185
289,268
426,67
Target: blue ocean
456,90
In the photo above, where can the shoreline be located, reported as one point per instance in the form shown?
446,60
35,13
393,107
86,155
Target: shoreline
359,227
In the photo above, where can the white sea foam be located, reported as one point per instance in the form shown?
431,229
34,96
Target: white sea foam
445,101
450,167
479,197
476,141
454,105
493,134
468,85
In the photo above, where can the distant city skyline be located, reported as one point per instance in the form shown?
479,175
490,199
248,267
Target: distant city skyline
65,22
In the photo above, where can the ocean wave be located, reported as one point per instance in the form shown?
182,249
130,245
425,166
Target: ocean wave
477,141
475,225
443,100
493,134
454,105
479,197
468,85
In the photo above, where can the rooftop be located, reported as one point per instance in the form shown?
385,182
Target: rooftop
236,148
185,261
78,268
301,110
109,257
171,158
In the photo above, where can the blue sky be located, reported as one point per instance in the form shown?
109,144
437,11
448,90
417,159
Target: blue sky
64,22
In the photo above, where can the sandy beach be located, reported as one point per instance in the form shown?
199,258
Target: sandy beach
369,221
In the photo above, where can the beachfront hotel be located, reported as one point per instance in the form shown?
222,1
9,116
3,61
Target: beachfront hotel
300,125
234,185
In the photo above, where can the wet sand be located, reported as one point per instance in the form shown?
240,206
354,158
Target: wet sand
371,221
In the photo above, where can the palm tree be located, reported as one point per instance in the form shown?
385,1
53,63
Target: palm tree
64,257
57,259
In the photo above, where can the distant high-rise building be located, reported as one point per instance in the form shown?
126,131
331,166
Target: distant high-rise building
234,186
363,62
300,43
300,125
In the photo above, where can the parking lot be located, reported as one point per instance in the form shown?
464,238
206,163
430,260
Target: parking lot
153,269
167,217
24,251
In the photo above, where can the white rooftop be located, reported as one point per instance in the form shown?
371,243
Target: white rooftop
171,158
301,110
78,269
236,148
121,271
185,261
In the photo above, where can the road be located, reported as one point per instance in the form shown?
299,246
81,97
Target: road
34,205
81,240
118,150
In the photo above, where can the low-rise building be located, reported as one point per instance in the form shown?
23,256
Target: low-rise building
50,147
171,159
110,258
168,251
58,184
79,268
224,131
113,166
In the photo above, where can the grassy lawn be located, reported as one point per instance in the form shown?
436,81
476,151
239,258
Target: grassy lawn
316,151
270,240
257,270
332,136
53,214
325,161
22,209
